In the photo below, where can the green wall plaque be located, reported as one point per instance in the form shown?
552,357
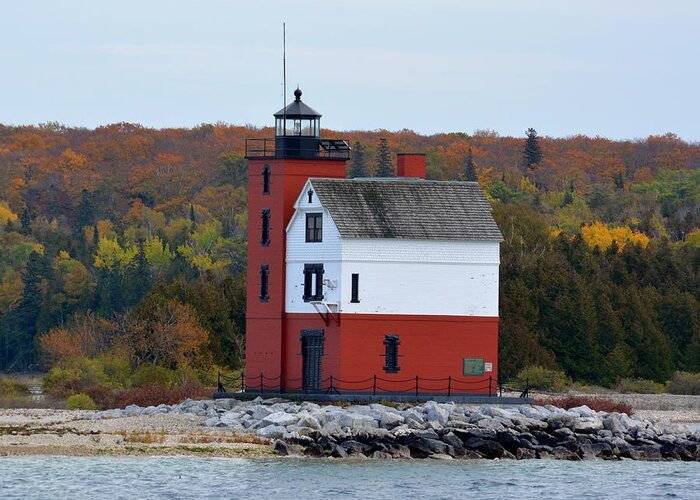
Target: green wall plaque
473,366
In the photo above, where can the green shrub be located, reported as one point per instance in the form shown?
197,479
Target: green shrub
542,379
685,383
11,388
80,402
639,386
74,377
117,371
146,375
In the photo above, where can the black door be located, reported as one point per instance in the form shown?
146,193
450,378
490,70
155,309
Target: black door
312,352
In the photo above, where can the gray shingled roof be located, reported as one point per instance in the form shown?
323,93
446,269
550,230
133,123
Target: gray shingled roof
408,209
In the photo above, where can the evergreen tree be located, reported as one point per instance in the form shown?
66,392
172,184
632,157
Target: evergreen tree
25,220
619,181
27,313
470,168
193,217
532,154
384,166
86,210
358,164
569,195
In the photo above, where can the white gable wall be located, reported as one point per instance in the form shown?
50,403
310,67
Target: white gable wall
435,277
299,252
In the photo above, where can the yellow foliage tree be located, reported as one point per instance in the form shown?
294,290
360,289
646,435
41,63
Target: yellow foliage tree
598,234
111,256
6,215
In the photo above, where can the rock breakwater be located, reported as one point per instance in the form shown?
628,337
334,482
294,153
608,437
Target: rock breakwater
440,430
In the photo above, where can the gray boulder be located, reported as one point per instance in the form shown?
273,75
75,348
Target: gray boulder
280,418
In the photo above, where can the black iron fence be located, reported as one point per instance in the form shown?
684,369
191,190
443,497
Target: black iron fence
373,385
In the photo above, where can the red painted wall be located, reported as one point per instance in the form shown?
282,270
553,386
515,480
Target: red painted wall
264,320
431,347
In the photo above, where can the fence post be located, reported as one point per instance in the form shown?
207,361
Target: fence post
262,384
242,381
449,385
218,382
490,382
374,385
330,389
416,385
280,383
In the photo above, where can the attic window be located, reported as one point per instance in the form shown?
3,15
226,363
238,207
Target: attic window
314,228
310,194
391,353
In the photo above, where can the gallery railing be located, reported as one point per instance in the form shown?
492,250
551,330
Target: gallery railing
372,385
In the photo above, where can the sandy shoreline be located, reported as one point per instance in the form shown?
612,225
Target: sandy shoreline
74,433
71,432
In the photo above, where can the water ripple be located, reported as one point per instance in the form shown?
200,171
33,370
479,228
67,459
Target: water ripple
29,478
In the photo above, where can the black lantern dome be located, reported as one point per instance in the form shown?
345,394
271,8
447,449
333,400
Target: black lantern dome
297,129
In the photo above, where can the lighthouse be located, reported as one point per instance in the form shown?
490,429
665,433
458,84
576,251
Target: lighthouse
278,168
368,285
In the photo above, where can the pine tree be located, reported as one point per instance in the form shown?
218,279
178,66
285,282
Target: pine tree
25,220
193,217
470,168
532,154
569,195
28,311
384,166
86,210
358,164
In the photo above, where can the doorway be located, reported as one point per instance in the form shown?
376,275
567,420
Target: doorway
312,353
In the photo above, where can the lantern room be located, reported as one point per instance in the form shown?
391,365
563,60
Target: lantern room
297,130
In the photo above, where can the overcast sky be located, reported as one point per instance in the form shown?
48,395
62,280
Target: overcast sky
615,68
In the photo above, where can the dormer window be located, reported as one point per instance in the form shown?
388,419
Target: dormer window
314,228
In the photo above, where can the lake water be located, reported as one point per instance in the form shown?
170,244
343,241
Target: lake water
187,477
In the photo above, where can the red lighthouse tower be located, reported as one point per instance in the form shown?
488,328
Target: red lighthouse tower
278,170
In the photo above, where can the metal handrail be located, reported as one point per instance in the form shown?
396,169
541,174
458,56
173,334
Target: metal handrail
413,386
267,148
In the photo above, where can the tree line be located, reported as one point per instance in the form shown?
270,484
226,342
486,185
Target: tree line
139,231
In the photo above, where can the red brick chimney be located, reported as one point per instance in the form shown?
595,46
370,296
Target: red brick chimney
410,165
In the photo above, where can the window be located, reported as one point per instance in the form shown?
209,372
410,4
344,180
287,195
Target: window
355,295
314,228
265,236
391,355
264,283
266,180
310,194
313,282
